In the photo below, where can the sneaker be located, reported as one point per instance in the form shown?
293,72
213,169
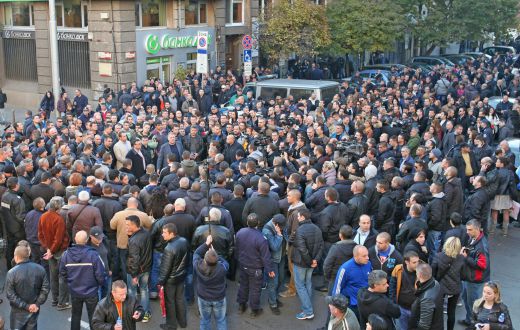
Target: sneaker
256,312
63,307
242,308
275,310
303,316
287,294
147,317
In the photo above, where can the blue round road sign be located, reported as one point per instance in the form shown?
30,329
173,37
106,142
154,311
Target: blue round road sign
247,42
202,42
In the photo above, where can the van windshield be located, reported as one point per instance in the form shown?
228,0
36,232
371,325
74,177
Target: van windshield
327,93
267,93
301,93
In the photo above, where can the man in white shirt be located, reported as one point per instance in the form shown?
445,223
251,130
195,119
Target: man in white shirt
365,235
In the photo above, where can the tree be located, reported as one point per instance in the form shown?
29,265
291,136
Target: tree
299,27
359,25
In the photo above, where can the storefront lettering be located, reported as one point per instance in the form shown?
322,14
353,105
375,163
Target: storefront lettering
154,44
10,34
69,36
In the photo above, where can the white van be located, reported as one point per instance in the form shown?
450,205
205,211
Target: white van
298,88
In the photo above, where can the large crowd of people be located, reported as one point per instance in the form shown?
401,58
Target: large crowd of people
387,195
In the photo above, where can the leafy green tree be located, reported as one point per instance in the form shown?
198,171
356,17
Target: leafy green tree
299,27
359,25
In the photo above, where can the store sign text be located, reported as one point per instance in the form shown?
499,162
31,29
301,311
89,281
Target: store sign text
71,36
11,34
154,43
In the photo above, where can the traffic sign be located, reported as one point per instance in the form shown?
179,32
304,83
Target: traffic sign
247,56
247,42
202,52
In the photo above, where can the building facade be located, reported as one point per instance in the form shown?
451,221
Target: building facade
105,43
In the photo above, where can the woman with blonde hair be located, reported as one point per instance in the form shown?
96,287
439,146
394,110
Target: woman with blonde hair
489,312
447,268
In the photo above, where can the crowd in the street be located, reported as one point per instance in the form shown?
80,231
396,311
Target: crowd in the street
386,198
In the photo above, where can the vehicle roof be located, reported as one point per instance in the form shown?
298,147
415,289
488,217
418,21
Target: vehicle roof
301,83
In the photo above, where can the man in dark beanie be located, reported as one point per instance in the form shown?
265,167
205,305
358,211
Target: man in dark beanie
273,233
254,258
210,270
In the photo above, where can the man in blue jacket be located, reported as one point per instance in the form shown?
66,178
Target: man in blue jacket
273,233
254,258
84,271
352,276
210,270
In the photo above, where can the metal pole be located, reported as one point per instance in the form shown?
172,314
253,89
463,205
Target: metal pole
53,40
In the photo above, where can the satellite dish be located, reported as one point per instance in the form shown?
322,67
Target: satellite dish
424,12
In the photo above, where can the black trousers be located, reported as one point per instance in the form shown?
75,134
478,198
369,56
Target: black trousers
77,308
175,305
250,288
23,320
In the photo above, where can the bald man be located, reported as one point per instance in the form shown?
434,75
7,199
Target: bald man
84,271
352,276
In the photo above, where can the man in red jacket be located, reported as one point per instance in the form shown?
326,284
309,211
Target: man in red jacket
53,237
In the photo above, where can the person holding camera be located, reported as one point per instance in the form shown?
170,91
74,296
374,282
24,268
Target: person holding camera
489,312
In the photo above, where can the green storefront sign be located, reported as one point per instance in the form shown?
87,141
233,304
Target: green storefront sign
154,43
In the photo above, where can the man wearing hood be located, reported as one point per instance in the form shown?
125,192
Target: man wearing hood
437,211
195,200
84,271
210,270
384,256
373,300
189,165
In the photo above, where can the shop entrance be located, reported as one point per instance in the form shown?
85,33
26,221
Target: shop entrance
159,67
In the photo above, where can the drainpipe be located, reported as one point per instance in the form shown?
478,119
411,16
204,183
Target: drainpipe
53,43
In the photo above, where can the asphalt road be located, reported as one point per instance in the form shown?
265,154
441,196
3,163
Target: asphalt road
504,260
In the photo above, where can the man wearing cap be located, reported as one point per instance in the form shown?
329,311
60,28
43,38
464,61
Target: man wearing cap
83,216
434,165
273,233
343,318
100,244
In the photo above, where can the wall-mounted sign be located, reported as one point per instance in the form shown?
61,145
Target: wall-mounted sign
13,34
202,52
157,60
153,43
130,55
73,36
104,56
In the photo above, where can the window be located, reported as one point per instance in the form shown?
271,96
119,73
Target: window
19,14
301,93
272,92
235,12
195,12
150,13
191,61
72,14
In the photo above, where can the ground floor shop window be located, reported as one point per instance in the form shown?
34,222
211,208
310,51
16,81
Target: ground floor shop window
158,67
20,59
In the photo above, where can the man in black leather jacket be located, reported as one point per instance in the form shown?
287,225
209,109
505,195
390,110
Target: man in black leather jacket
426,312
139,261
13,215
27,287
174,262
357,205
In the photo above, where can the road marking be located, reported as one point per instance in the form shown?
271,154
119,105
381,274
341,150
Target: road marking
83,324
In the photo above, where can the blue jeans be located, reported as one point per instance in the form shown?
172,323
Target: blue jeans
188,281
154,273
470,293
273,285
218,308
303,283
403,319
105,288
142,282
433,243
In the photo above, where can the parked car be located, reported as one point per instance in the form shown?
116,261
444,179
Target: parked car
374,75
514,145
460,59
385,67
426,68
433,60
502,50
298,88
495,100
476,55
